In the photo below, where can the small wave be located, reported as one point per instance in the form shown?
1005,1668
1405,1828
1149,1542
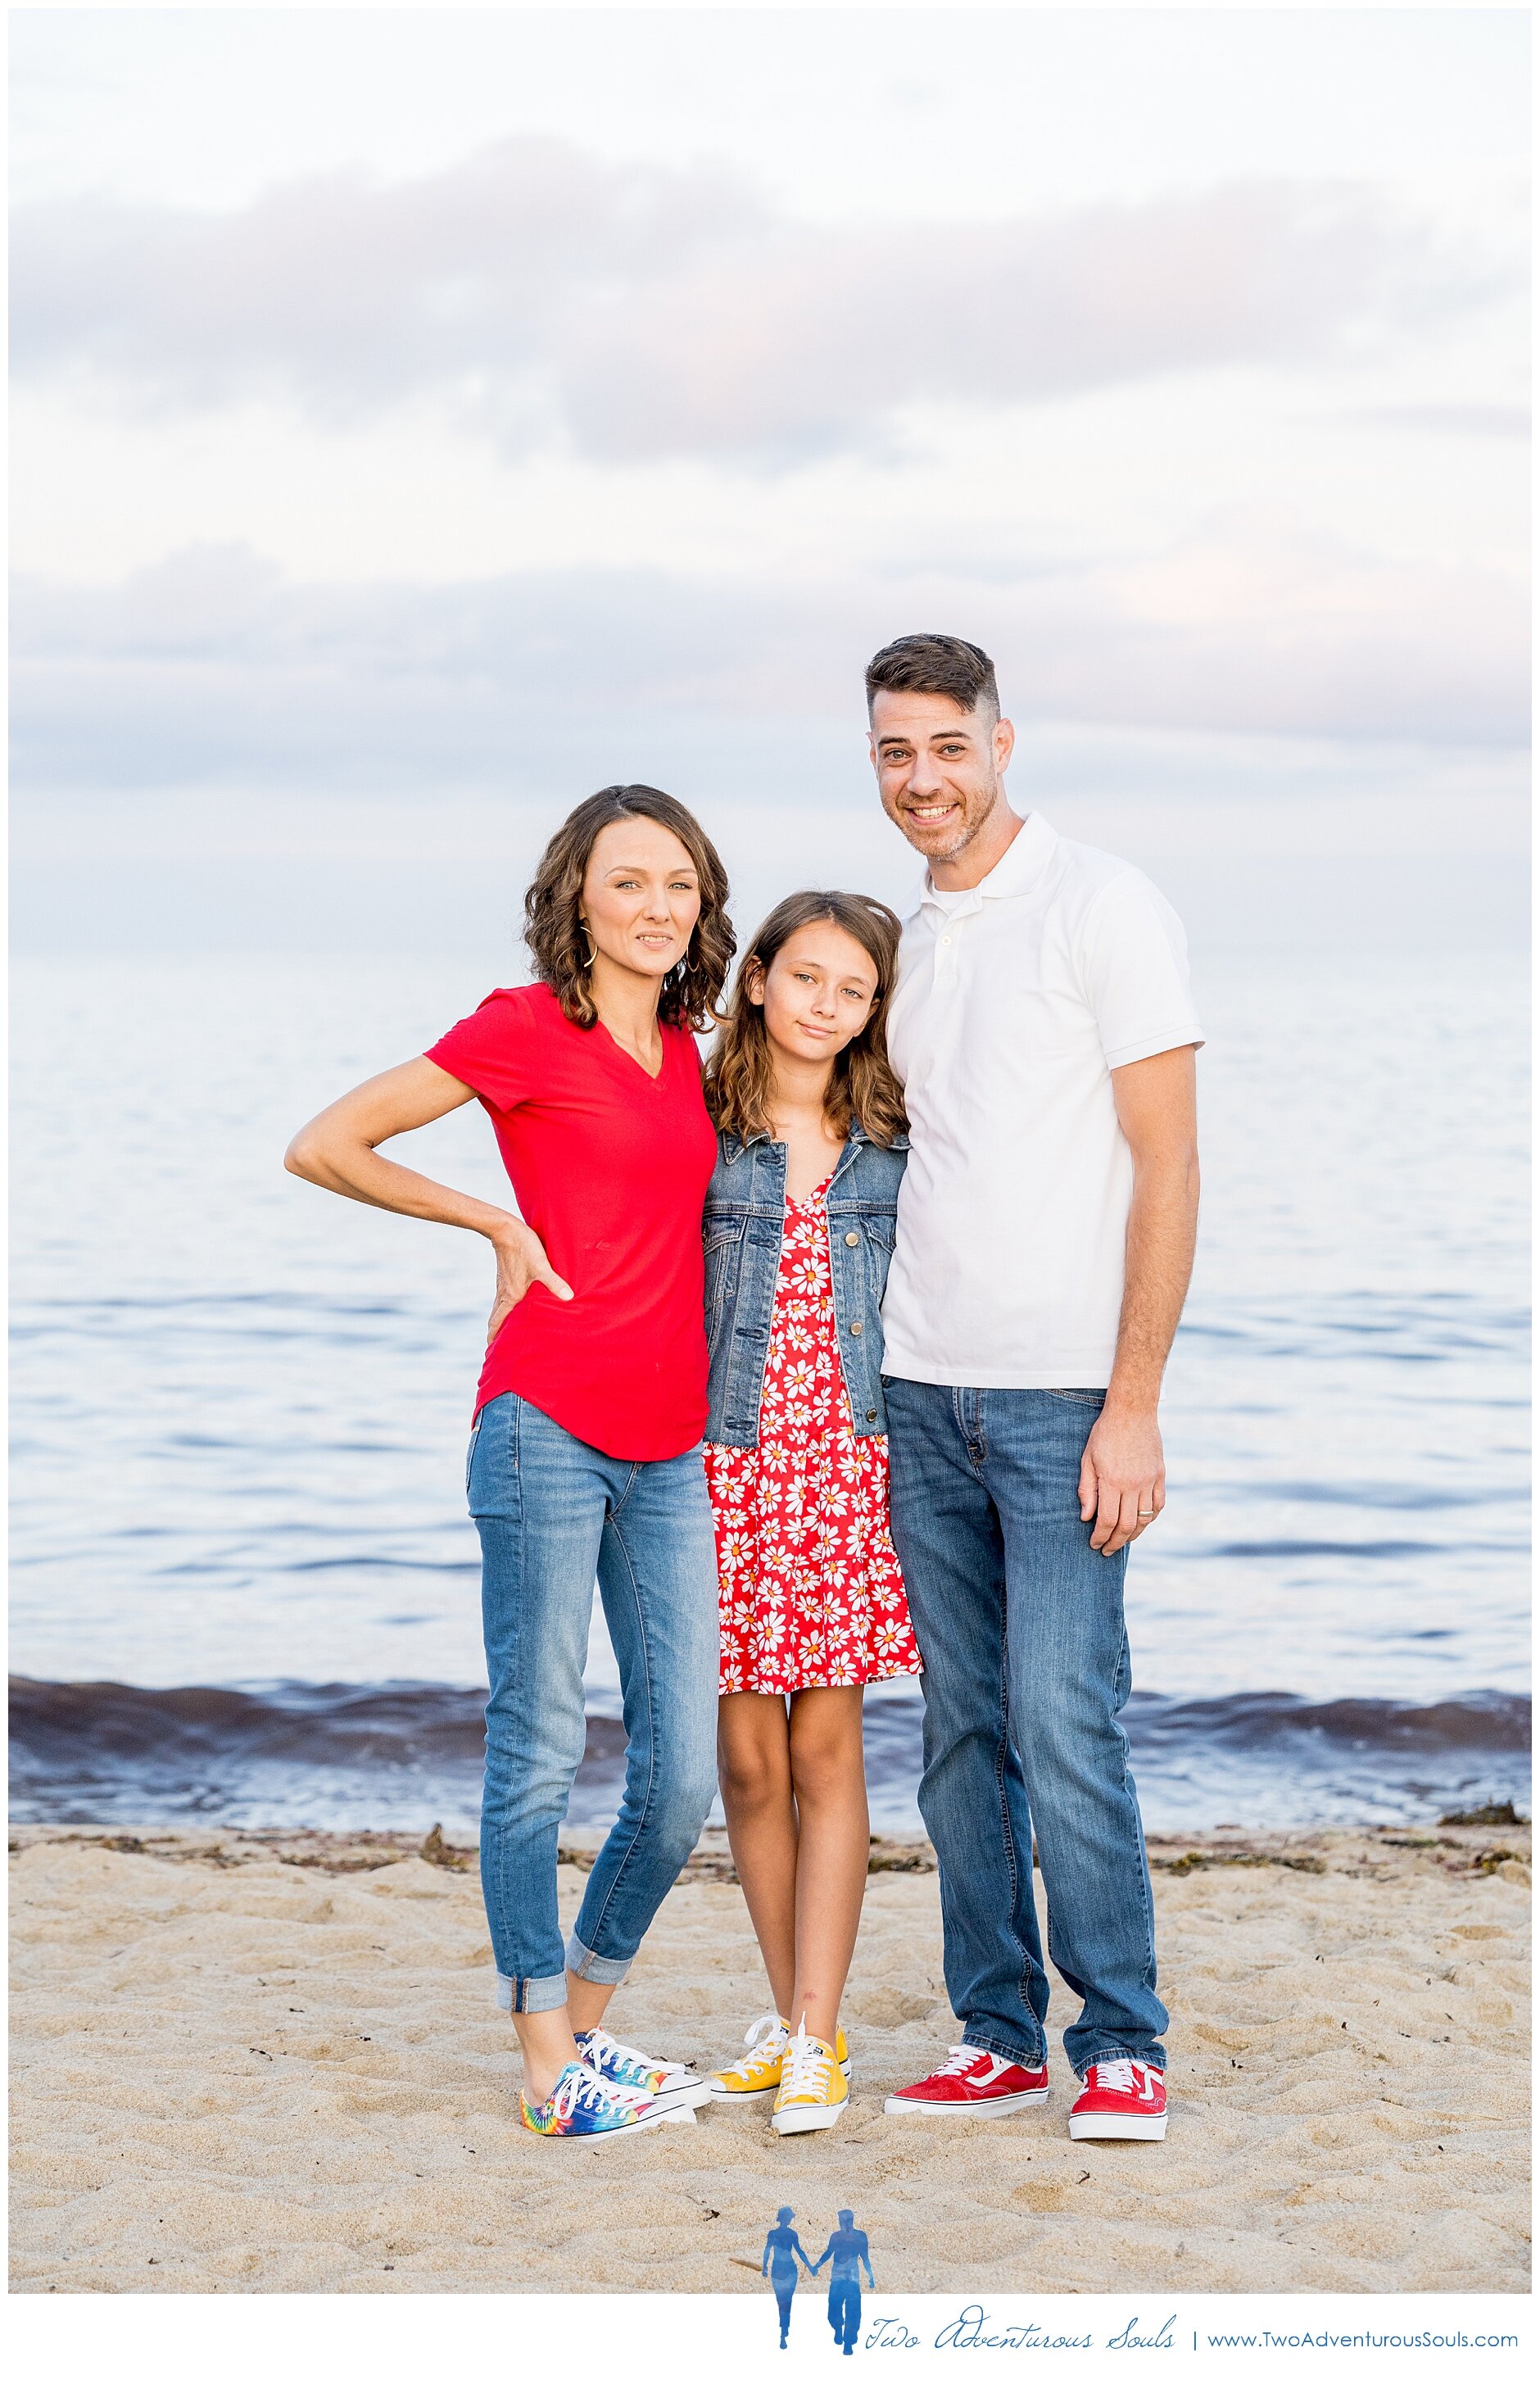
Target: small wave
1400,1496
70,1725
1494,1718
1321,1549
377,1564
290,1752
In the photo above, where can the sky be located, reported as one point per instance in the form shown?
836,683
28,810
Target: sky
421,417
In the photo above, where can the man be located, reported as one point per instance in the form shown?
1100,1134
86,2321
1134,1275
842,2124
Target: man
1044,1031
847,2250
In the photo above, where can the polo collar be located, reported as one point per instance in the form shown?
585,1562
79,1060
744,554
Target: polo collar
1016,871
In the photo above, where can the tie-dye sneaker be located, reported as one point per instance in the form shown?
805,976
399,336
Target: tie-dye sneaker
583,2104
671,2084
756,2076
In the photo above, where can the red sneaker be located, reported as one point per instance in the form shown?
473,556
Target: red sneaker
1121,2098
972,2083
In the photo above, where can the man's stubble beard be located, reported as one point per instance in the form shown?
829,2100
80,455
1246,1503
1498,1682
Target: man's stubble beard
971,829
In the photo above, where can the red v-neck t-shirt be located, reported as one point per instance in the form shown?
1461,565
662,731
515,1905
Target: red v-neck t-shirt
610,1167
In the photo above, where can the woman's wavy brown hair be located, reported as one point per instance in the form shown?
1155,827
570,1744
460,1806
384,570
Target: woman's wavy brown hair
558,940
740,1070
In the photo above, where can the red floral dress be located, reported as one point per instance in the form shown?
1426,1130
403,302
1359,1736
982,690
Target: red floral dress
812,1595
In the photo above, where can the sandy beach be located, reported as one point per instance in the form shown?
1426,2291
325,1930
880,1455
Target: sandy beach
274,2064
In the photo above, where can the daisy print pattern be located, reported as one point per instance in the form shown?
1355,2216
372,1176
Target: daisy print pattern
812,1595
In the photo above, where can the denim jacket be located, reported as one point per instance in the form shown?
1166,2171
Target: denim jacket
745,1213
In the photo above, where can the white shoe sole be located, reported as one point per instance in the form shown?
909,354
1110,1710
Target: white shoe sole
757,2093
640,2126
637,2128
799,2119
999,2106
687,2095
1112,2128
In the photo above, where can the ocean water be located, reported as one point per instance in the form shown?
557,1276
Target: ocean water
241,1405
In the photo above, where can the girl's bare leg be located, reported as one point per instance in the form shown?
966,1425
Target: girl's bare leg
753,1764
587,2001
545,2038
828,1781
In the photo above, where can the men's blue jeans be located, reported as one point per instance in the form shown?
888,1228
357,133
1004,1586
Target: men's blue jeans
552,1513
845,2310
1020,1624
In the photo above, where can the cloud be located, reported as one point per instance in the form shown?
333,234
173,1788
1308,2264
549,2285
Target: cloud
1444,421
641,312
213,669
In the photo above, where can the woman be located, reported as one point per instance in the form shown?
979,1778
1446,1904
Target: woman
782,2251
585,1451
798,1227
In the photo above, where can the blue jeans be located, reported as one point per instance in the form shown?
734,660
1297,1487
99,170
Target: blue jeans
552,1513
845,2310
1020,1625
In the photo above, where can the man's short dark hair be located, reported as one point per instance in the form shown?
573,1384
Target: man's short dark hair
929,663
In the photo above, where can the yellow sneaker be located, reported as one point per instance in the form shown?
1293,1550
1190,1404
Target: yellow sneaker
814,2089
757,2075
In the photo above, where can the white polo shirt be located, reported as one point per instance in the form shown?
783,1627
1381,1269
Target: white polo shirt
1014,1003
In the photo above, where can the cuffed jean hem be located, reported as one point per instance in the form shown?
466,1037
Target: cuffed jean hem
978,2043
1153,2057
599,1967
531,1994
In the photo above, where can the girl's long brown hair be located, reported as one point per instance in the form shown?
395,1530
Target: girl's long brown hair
740,1070
559,942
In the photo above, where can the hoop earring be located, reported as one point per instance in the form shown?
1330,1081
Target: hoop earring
593,953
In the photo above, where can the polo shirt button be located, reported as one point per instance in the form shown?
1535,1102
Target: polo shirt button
851,1240
856,1327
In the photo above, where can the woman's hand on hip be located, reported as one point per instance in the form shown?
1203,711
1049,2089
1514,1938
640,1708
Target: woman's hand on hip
521,1261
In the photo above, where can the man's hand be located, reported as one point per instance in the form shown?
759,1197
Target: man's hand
521,1260
1123,1473
1123,1478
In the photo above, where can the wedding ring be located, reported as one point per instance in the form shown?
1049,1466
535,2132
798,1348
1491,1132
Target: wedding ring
1147,1512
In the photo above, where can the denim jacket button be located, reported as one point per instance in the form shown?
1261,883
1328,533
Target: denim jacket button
852,1241
858,1326
871,1415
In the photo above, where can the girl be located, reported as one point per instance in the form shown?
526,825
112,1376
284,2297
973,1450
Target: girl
585,1451
799,1231
782,2251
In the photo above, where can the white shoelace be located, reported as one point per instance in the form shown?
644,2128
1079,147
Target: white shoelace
584,2088
760,2040
959,2059
1120,2077
601,2043
807,2067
